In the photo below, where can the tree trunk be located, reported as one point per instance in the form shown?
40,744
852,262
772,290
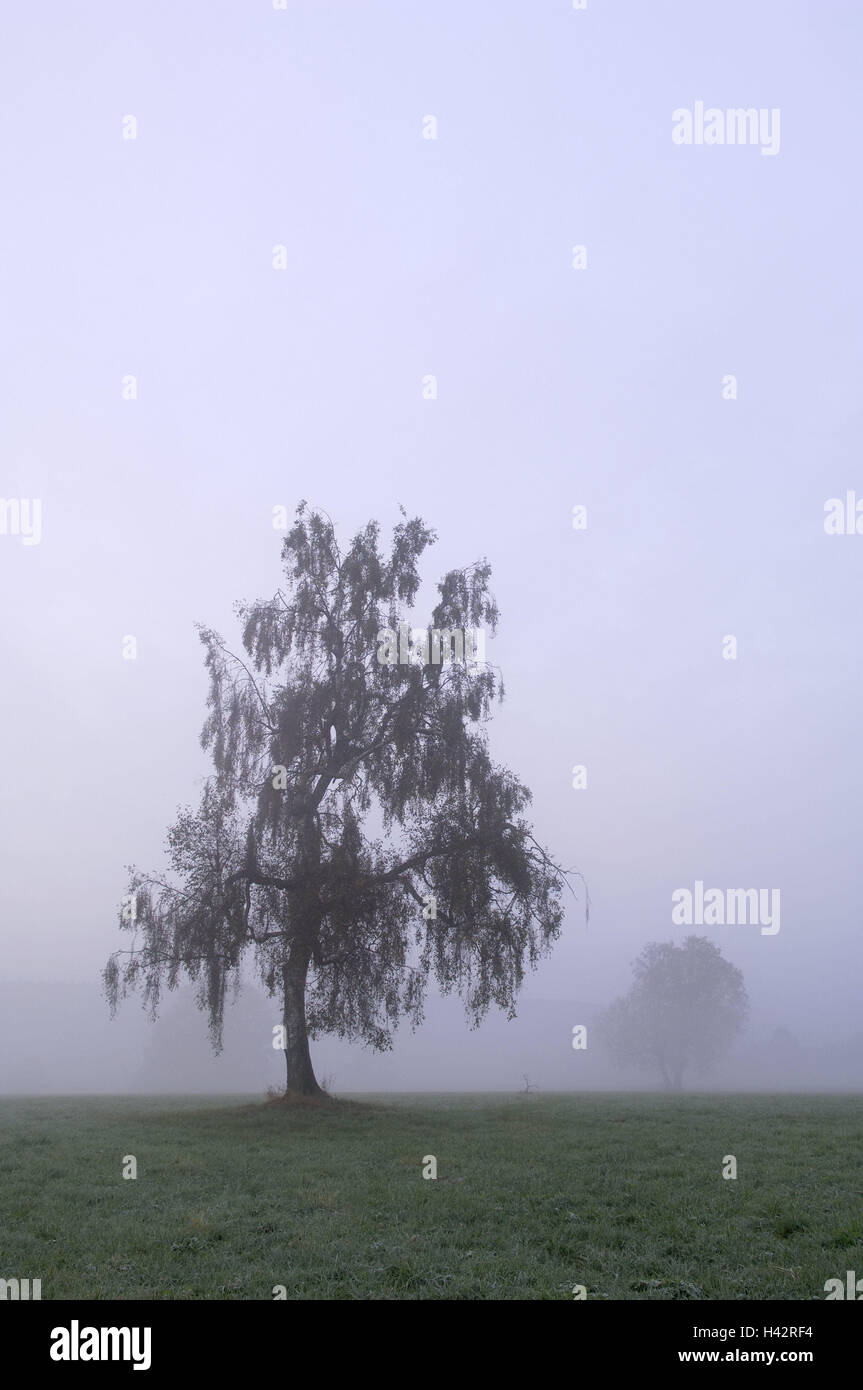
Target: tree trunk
300,1074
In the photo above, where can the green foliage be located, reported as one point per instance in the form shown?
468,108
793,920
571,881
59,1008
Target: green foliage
621,1193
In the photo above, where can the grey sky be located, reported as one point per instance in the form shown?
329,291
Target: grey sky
556,386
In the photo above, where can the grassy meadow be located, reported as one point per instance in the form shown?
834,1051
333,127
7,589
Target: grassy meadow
621,1193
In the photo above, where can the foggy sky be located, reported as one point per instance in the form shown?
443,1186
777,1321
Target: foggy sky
556,387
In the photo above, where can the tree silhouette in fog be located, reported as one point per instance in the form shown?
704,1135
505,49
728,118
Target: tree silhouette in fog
355,835
684,1009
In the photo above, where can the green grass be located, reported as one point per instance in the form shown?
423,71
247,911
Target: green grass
534,1194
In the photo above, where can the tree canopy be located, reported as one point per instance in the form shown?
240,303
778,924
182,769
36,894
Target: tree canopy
683,1011
355,835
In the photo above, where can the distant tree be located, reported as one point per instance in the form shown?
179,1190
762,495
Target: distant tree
316,743
683,1011
784,1046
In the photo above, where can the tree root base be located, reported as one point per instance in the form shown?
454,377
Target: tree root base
297,1100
